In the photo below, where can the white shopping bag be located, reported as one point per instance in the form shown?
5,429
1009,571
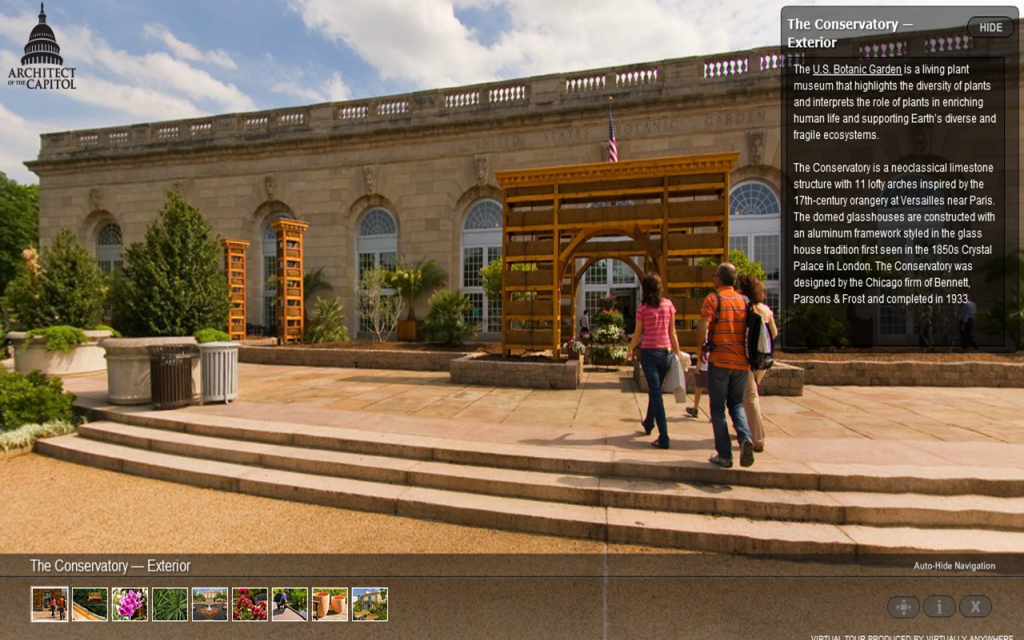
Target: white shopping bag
675,381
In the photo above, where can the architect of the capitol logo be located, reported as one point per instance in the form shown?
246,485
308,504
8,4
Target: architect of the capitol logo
42,66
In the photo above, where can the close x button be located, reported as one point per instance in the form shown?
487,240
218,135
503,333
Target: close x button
990,27
975,607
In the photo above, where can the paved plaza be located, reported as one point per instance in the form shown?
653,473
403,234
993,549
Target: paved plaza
894,426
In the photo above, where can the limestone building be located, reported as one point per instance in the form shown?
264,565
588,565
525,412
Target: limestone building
413,175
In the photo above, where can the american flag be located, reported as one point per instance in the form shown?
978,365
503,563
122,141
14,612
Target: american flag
613,149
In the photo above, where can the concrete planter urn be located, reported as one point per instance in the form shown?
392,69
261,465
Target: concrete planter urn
84,358
128,380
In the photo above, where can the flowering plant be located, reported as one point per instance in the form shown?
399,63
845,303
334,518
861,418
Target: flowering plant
129,604
572,344
608,302
245,609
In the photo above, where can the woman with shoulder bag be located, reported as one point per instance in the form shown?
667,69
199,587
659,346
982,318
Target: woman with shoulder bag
751,288
656,334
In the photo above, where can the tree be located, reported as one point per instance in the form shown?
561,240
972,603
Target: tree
379,309
65,288
19,229
172,284
412,280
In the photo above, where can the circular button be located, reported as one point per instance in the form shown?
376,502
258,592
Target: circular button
975,607
904,607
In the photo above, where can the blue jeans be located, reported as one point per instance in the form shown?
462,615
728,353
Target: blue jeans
656,363
726,387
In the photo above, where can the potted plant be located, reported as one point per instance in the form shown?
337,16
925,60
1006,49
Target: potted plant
172,286
574,348
410,281
57,303
608,339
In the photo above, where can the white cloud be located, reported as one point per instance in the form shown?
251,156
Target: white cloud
186,50
336,89
21,142
295,83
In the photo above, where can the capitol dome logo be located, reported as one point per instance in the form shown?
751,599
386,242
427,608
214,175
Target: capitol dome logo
42,66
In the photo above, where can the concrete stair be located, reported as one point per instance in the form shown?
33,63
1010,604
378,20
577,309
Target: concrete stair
595,494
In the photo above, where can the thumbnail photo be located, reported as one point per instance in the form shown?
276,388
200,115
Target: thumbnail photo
209,604
130,604
49,604
330,605
170,604
249,604
370,604
291,604
90,604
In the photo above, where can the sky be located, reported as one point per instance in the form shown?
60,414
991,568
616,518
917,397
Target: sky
149,60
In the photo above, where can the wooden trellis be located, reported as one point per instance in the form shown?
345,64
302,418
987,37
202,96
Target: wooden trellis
670,211
234,269
290,294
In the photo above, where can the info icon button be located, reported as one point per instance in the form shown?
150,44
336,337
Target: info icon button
939,607
904,607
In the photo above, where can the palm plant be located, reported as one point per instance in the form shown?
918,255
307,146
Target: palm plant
314,282
170,604
412,280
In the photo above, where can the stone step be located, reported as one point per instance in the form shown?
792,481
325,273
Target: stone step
611,524
930,480
627,493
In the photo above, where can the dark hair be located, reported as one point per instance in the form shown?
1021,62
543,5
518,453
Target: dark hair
752,288
651,289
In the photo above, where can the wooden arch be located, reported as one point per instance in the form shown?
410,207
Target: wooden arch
674,211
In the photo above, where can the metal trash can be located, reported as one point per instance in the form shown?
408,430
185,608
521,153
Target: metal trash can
170,374
218,362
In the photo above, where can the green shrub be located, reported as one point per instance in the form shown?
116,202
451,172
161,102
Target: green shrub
61,338
327,323
816,327
27,434
102,327
172,284
66,288
447,318
19,211
32,398
211,335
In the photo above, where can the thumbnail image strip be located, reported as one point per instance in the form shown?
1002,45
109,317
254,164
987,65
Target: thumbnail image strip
90,604
209,604
291,604
370,604
129,604
170,604
329,604
49,604
249,604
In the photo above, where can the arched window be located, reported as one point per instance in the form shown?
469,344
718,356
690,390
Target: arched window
109,248
376,246
754,228
754,199
481,245
269,281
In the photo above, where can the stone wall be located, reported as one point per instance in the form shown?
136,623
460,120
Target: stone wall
781,380
493,372
350,358
912,374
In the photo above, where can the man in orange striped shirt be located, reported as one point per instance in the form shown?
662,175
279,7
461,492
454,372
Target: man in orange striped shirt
725,311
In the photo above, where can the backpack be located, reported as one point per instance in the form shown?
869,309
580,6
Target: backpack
757,342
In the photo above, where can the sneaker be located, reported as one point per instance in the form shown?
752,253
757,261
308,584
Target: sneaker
759,448
692,412
720,461
658,444
746,453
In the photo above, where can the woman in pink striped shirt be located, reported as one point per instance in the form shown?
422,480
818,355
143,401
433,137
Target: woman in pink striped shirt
656,334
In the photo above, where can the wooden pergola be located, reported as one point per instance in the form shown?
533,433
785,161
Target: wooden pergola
670,212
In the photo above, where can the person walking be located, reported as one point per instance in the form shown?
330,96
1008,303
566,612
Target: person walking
61,605
723,319
752,289
967,311
656,334
53,606
585,323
